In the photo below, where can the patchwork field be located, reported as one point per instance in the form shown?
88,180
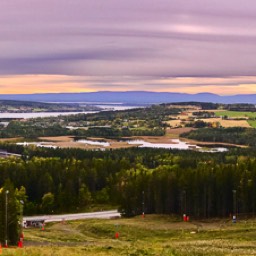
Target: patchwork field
153,235
223,122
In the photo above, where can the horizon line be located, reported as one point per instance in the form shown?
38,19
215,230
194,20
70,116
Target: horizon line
129,91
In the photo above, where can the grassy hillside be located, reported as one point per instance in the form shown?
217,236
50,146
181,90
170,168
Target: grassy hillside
154,235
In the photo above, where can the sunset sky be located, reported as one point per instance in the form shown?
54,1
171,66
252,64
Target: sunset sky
154,45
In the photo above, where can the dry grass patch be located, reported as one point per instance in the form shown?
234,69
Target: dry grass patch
228,123
57,139
176,132
10,139
174,123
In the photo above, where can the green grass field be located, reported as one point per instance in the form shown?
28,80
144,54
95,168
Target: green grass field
252,123
154,235
236,114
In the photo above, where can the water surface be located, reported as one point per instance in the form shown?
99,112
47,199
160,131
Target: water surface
94,143
41,114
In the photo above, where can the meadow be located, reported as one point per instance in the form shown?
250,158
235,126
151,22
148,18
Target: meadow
152,235
236,114
252,123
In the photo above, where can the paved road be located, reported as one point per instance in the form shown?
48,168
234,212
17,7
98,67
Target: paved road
77,216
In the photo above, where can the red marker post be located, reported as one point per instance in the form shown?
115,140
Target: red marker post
20,244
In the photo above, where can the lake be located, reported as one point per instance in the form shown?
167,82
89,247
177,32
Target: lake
176,144
37,144
53,114
40,114
94,143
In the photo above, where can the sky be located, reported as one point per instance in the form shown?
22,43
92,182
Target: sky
186,46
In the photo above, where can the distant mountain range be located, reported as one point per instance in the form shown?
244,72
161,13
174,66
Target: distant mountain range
131,97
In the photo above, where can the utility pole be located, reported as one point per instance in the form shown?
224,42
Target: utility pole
6,218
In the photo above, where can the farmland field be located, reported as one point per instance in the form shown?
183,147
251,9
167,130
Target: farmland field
236,114
228,123
153,235
252,123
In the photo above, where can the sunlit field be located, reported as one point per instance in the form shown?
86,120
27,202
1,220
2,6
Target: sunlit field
152,235
236,114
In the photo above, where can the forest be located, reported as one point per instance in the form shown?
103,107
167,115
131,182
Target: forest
234,135
169,181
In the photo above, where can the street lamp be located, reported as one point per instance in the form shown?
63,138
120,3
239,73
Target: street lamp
143,204
184,202
6,218
21,224
234,205
21,216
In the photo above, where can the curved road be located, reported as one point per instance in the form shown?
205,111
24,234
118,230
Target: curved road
76,216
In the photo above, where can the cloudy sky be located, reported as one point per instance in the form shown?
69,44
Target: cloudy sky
155,45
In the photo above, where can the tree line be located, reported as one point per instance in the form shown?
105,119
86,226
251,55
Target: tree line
234,135
119,177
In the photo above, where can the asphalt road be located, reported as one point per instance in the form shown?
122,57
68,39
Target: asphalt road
76,216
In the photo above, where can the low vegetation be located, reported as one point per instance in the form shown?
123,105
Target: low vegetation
152,235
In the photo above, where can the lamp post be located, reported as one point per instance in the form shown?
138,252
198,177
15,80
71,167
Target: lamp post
185,202
234,206
6,218
143,204
20,243
21,216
